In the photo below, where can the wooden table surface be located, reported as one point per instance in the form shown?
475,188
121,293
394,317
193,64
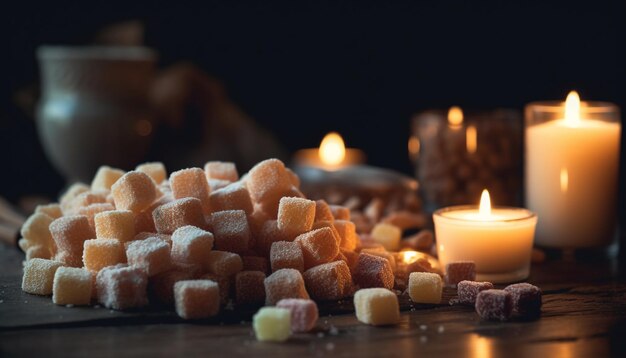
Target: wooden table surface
584,315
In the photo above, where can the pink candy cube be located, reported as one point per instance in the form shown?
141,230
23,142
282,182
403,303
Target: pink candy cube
304,313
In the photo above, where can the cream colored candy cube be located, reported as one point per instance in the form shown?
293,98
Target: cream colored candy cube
221,170
37,252
115,224
134,191
376,306
39,276
387,235
100,253
155,170
72,286
272,324
36,230
425,287
105,177
295,215
53,210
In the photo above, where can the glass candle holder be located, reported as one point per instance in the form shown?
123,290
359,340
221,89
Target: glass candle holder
455,161
571,171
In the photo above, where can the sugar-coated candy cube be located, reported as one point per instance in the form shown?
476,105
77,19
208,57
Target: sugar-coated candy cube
250,287
285,254
284,283
322,211
331,226
69,234
494,305
85,199
267,181
100,253
39,276
162,285
268,235
388,235
120,287
256,220
73,191
134,191
425,287
196,299
224,283
384,254
38,251
460,271
347,232
155,170
340,212
36,230
72,286
351,258
318,246
92,210
330,281
304,313
217,184
191,245
144,235
234,196
272,324
105,177
256,263
53,210
224,263
231,230
468,290
191,183
151,255
376,306
373,271
115,224
221,170
526,299
295,215
178,213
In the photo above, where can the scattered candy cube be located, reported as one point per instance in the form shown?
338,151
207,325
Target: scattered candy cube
304,313
425,287
376,306
272,324
387,235
469,290
494,305
460,271
373,271
71,286
39,276
526,299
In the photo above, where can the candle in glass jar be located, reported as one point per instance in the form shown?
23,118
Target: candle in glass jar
572,160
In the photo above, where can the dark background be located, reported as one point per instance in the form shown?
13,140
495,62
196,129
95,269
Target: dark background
362,68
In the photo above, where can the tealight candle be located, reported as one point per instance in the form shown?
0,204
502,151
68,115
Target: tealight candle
331,155
499,239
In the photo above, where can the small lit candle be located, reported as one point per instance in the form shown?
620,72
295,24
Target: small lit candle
331,155
498,239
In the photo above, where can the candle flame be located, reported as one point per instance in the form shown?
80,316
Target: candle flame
332,149
471,139
455,116
564,180
414,146
572,108
485,204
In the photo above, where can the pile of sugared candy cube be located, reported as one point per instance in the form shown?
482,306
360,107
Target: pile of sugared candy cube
204,239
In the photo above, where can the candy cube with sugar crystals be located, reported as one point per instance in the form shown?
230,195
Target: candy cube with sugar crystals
121,287
295,215
134,191
304,313
217,184
459,271
115,224
36,230
38,251
100,253
268,235
318,246
92,210
155,170
322,211
331,226
494,305
284,283
250,287
526,300
388,235
384,254
72,286
234,196
373,271
85,199
195,299
144,220
376,306
162,285
468,290
351,258
272,324
340,212
347,232
425,287
231,231
178,213
256,263
53,210
191,183
256,220
267,181
328,281
39,276
105,177
152,255
144,235
191,245
69,234
73,191
223,282
285,254
224,263
221,170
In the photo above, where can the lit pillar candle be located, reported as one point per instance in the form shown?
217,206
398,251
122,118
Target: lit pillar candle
499,240
572,160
